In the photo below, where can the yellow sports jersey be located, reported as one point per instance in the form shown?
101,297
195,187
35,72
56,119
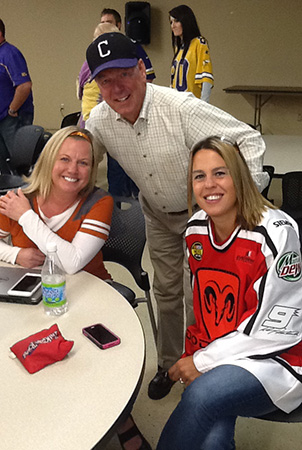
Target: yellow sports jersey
188,74
91,97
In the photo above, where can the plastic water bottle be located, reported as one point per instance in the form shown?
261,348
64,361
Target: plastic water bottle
53,283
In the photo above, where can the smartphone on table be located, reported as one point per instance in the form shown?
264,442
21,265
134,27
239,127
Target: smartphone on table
26,286
101,336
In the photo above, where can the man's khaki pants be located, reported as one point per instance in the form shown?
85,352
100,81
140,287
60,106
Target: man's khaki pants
171,285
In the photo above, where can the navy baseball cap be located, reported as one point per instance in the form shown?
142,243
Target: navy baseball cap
111,51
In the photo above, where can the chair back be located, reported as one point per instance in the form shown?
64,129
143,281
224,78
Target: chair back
292,197
70,119
127,238
28,144
4,166
9,182
125,246
44,138
270,170
292,194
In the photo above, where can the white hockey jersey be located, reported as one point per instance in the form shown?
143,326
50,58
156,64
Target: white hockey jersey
248,302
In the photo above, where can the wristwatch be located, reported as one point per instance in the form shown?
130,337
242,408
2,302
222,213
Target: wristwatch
12,112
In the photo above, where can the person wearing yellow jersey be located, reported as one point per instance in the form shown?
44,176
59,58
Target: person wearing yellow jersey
191,65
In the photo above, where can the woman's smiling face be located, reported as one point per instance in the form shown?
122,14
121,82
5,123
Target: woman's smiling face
71,170
213,186
176,27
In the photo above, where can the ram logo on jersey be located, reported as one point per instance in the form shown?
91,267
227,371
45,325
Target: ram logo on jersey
289,267
219,293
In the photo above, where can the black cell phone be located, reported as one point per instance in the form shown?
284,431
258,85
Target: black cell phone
26,286
101,336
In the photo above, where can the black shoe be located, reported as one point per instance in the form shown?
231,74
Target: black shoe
160,386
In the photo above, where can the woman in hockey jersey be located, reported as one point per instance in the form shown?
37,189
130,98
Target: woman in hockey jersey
243,356
191,66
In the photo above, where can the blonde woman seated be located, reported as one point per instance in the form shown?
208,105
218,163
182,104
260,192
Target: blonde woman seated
60,204
243,356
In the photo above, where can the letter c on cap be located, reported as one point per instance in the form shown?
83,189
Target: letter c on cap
102,54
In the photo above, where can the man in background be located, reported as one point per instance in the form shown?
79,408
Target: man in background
16,105
118,181
109,15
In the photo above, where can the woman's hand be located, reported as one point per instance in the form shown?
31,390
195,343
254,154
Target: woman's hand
14,204
30,257
184,371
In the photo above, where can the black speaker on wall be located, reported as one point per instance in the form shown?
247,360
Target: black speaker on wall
137,20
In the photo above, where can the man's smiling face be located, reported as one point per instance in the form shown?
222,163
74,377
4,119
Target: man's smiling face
124,89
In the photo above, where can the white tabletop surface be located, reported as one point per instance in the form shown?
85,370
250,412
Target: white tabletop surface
72,403
284,152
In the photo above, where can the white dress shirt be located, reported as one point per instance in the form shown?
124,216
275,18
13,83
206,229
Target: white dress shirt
154,151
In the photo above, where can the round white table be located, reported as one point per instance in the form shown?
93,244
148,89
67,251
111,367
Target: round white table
75,403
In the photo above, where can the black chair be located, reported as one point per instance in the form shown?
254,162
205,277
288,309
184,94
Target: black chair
4,166
9,182
28,144
292,205
270,170
292,194
125,246
292,197
70,119
281,416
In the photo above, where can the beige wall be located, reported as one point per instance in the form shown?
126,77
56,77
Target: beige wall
255,42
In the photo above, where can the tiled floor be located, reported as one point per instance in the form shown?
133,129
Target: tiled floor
151,415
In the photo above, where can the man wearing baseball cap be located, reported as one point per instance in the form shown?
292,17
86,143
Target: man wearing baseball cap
150,130
115,55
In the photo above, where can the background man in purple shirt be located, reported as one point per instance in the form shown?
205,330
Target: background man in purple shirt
16,106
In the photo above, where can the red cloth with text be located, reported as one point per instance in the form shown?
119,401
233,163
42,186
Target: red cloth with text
41,349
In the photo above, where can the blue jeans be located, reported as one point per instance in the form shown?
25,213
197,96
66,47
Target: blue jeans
206,415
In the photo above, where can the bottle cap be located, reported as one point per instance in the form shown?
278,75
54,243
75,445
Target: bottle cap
51,247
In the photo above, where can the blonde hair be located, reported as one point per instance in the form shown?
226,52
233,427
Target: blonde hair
250,203
105,27
40,180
